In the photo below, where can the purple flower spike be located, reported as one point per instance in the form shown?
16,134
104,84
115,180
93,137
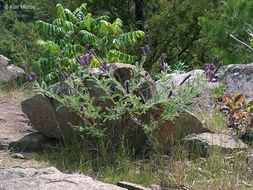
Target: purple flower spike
81,108
127,87
178,110
86,59
59,68
32,78
185,79
170,94
143,51
148,38
215,59
86,48
218,67
93,52
147,49
162,58
28,78
164,69
116,111
90,57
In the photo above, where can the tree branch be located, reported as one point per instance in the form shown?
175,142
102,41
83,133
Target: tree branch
241,42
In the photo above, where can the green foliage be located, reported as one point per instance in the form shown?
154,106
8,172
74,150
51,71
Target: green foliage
71,31
107,122
236,19
174,30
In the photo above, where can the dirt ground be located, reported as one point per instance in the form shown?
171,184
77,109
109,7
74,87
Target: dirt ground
13,126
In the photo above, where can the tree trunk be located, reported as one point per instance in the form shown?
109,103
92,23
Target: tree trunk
139,13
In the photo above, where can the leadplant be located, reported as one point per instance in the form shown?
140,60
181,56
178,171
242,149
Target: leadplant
121,111
70,34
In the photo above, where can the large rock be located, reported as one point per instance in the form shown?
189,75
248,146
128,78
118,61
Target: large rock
8,72
47,119
238,78
167,133
204,101
48,178
123,72
201,144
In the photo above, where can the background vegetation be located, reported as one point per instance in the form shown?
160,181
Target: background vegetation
188,31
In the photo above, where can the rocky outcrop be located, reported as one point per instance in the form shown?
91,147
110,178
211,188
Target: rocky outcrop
9,72
48,178
201,144
238,78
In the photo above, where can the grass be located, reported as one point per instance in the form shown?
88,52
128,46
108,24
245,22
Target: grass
16,90
176,170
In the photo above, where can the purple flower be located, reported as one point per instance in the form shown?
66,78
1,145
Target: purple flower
218,67
33,77
164,69
170,94
90,57
215,59
28,78
116,111
105,67
60,71
127,87
93,52
178,110
148,37
163,65
146,74
86,48
147,49
81,59
188,76
81,108
143,51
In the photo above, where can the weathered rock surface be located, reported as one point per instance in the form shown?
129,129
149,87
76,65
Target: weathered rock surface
238,78
8,72
48,178
14,124
44,116
123,72
169,132
200,144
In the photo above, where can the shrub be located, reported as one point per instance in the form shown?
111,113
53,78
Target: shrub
73,33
